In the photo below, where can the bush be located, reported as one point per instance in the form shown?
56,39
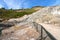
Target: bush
7,14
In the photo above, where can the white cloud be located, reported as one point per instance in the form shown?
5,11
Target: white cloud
16,4
12,4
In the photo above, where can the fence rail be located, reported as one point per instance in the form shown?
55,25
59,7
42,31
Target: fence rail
44,34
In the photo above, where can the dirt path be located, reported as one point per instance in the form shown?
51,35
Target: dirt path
54,30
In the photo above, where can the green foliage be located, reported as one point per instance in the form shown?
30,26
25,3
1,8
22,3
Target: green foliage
7,14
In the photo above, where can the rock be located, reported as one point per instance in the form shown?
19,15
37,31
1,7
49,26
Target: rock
25,27
1,20
17,20
45,15
20,33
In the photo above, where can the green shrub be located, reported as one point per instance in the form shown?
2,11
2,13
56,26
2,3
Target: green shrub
7,14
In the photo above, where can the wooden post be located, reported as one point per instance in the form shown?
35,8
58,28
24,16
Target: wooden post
41,33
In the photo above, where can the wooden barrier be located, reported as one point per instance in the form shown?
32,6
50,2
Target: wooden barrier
43,32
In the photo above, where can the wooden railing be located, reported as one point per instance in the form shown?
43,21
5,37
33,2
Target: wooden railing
44,34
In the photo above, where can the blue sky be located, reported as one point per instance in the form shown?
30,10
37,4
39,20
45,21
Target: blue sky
17,4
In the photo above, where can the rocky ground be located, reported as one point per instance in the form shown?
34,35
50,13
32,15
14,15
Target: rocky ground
23,32
24,29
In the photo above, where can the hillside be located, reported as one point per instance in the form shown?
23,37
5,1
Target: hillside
49,15
10,13
27,28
